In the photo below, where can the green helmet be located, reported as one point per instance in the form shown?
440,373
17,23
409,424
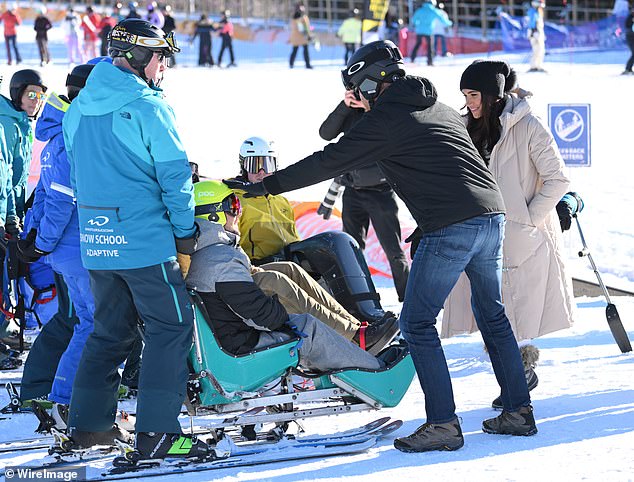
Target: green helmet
213,199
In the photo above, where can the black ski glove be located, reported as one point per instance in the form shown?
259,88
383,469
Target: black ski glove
27,251
252,189
414,238
189,244
567,208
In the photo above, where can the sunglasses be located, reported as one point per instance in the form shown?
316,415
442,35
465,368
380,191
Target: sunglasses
254,164
31,95
230,204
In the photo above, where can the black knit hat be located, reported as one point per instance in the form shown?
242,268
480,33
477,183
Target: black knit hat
491,77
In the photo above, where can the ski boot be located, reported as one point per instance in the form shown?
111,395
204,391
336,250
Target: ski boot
85,440
58,417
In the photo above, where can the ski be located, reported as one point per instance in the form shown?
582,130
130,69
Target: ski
273,455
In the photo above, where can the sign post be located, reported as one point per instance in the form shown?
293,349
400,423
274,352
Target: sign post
570,126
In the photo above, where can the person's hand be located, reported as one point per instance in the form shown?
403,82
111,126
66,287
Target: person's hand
13,228
567,208
351,101
252,189
189,244
324,211
27,251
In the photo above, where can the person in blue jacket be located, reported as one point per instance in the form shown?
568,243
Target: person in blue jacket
55,230
132,181
26,95
423,24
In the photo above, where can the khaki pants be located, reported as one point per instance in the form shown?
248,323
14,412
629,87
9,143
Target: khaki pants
299,293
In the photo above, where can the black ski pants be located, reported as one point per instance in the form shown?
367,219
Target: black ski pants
294,54
227,43
350,48
419,41
362,206
157,295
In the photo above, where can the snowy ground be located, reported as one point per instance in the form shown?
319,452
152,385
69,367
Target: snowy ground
584,404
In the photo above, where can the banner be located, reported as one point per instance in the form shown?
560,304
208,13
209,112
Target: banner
374,12
599,34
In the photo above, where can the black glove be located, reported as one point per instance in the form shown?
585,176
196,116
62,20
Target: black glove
414,238
252,189
324,211
188,245
27,251
12,228
564,211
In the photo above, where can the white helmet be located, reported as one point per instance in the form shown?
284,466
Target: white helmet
257,153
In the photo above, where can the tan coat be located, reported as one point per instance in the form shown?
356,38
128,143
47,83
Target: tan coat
300,31
536,291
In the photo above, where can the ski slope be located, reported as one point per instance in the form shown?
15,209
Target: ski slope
584,404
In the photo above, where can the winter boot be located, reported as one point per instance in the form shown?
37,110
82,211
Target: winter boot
85,440
378,334
520,422
432,436
530,357
153,445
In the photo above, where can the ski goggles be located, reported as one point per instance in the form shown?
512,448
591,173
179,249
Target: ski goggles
254,164
32,95
230,204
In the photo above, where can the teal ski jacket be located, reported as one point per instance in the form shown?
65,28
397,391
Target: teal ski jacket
17,151
129,172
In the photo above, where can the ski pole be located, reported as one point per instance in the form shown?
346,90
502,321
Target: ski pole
611,313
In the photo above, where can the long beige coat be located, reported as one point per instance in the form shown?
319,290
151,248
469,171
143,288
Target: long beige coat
300,29
536,291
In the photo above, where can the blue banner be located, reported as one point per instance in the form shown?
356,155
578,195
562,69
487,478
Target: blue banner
570,126
600,34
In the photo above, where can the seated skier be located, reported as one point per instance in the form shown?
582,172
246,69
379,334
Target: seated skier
269,234
243,317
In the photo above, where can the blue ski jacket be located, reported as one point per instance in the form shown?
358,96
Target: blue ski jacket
129,171
54,207
18,136
424,17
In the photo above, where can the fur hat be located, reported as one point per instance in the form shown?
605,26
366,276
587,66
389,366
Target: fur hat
491,77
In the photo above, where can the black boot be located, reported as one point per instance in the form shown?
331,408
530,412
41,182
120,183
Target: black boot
378,334
530,356
84,440
154,445
432,436
520,422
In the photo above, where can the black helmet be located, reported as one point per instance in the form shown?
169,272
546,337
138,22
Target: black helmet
76,80
371,65
136,40
20,81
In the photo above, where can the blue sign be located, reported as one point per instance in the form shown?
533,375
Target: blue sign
570,126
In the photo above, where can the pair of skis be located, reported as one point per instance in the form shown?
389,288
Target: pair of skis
227,454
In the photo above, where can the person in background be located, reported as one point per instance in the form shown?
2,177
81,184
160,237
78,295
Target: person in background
132,12
621,10
524,159
11,18
629,39
350,33
204,31
117,13
145,195
226,35
169,26
440,31
41,26
72,35
300,35
154,15
536,35
106,25
424,150
423,24
368,197
90,25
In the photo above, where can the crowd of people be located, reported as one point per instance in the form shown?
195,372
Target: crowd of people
127,218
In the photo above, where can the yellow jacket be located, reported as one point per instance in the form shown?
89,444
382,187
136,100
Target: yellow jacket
350,31
267,225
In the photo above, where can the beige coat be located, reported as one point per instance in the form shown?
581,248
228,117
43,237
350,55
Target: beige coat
300,31
536,291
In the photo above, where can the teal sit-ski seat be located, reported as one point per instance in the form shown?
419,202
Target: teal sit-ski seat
225,377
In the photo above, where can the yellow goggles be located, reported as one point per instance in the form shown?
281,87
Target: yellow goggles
32,95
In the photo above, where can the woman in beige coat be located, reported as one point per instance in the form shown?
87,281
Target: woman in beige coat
300,34
523,157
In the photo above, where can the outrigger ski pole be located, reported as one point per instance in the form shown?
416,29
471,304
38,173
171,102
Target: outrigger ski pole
612,315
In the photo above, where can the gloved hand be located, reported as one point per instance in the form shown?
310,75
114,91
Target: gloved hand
567,208
324,211
188,245
252,189
13,228
27,251
414,238
184,262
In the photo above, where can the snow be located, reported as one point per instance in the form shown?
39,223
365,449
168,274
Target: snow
584,404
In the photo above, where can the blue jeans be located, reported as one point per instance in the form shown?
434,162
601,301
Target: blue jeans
475,247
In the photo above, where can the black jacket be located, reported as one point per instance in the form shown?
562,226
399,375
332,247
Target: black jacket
340,121
422,147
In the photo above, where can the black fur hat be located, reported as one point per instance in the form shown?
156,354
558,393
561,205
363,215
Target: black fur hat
492,77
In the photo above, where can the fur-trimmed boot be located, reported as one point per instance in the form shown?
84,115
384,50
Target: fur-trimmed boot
530,356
